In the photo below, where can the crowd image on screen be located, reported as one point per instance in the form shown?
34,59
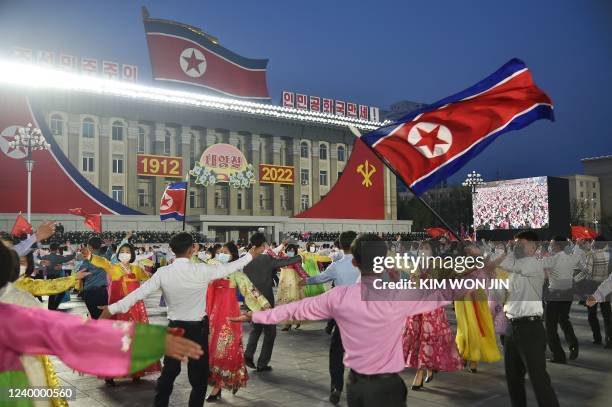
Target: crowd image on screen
515,204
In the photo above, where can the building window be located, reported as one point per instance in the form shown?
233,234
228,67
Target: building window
581,183
305,202
283,198
262,201
304,149
263,152
221,198
193,202
341,153
323,151
118,193
240,201
581,194
88,162
304,176
117,164
88,128
167,141
57,125
594,184
117,131
141,140
283,155
323,178
143,198
594,195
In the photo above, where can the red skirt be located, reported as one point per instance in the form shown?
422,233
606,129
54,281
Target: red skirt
225,351
138,312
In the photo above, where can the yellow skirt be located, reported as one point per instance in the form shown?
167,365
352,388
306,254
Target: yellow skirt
475,331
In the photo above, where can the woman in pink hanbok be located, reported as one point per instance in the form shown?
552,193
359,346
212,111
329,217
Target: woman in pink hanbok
429,342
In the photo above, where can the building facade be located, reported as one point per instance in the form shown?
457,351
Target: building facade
601,167
102,137
585,199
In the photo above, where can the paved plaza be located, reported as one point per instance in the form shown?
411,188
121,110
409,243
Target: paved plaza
300,376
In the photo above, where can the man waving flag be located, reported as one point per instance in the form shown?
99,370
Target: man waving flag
432,143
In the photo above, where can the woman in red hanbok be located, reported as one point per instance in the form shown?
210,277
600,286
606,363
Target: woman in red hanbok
125,277
429,342
225,350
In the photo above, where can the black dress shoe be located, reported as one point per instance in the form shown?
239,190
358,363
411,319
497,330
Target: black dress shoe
264,369
110,382
334,397
214,397
416,387
249,363
597,341
559,361
573,352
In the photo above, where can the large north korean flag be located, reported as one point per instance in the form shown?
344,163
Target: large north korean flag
432,143
181,54
57,185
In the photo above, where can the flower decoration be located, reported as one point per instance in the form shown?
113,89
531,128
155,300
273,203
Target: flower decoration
242,179
204,176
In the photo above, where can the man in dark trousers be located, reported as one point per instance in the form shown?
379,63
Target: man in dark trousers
95,293
53,267
341,272
261,271
525,339
183,285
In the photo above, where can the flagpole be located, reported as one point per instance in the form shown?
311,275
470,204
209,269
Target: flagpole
390,167
185,203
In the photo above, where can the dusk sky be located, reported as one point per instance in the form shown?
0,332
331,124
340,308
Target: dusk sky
377,53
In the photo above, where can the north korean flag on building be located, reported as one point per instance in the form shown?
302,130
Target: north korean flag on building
173,201
181,54
432,143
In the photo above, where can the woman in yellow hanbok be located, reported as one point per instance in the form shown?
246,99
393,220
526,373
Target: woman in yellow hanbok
475,338
125,277
310,260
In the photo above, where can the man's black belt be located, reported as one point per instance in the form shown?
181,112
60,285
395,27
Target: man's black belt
531,318
372,376
194,323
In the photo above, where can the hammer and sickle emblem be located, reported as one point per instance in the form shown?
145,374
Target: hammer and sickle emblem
366,170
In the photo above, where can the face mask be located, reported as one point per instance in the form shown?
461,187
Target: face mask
203,256
124,257
22,270
223,258
519,252
291,254
312,249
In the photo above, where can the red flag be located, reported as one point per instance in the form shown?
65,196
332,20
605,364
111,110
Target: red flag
94,222
580,232
182,56
361,184
21,227
435,232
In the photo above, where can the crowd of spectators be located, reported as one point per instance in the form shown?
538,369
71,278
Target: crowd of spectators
332,236
80,237
521,205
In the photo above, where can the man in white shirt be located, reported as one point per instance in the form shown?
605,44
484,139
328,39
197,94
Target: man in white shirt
183,284
560,267
525,340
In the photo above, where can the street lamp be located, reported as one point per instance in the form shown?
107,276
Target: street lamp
29,139
473,181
